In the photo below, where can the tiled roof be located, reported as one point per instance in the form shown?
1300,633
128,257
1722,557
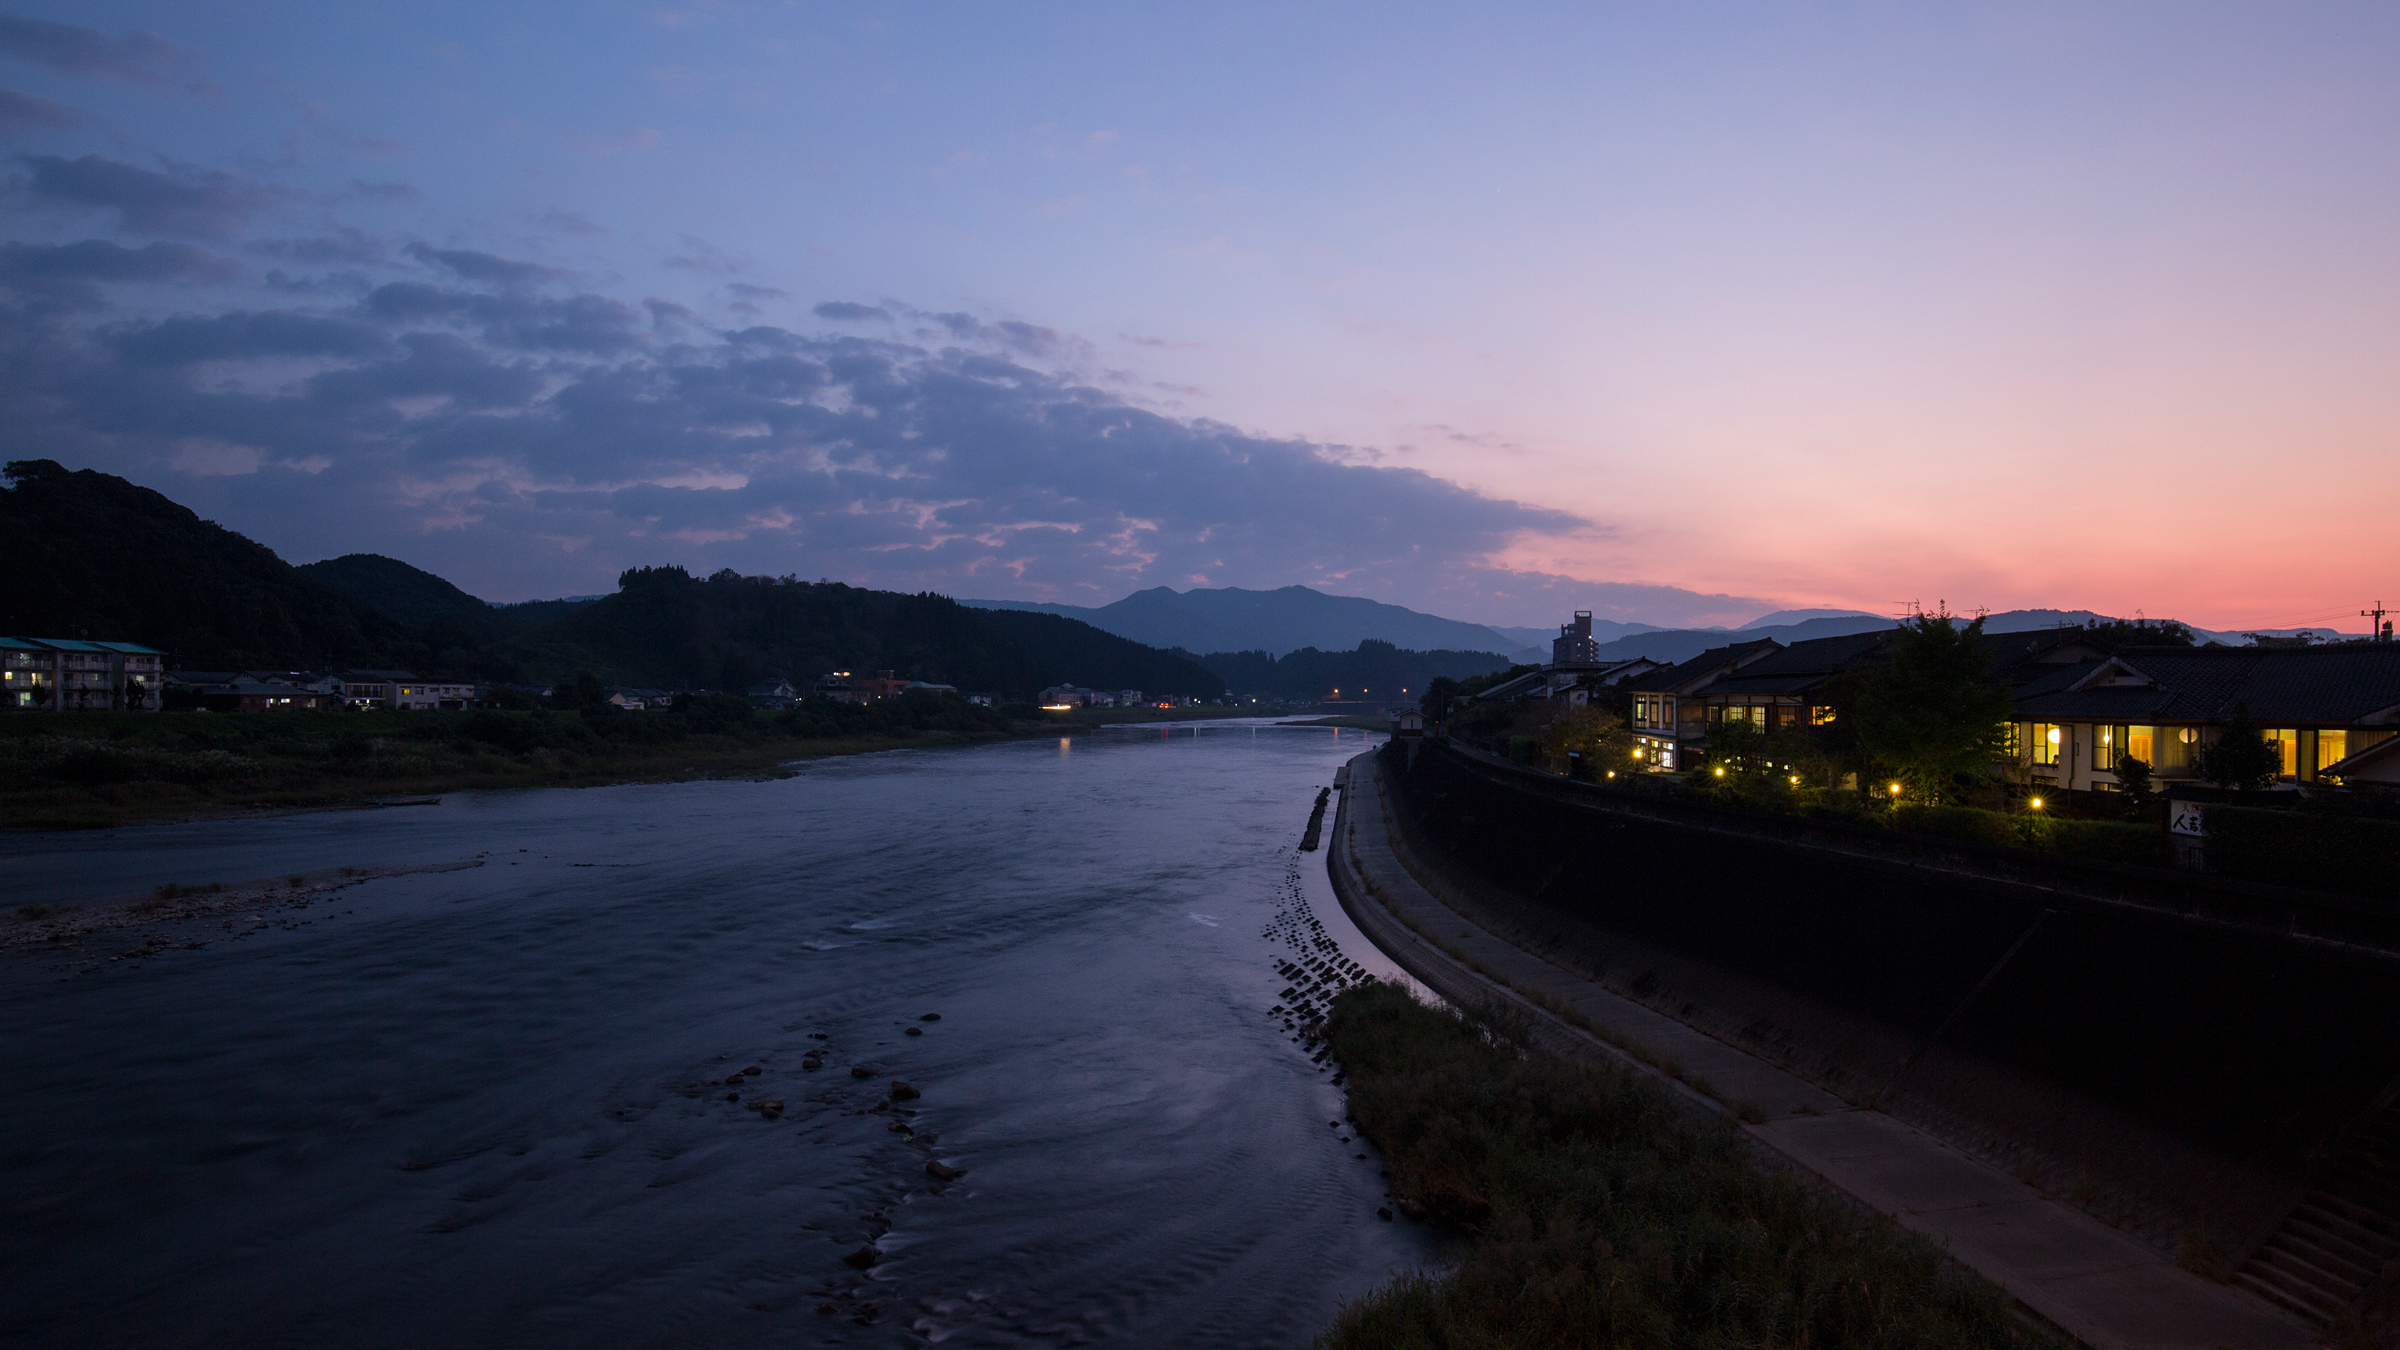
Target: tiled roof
1804,665
1707,663
2282,686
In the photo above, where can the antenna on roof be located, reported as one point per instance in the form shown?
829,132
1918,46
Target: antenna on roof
2381,632
1909,609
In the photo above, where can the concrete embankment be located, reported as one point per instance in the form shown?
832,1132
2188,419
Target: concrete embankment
2099,1283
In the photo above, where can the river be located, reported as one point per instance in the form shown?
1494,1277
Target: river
488,1106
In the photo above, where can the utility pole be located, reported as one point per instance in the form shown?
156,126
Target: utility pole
2381,632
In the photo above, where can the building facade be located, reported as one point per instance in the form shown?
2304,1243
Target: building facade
72,675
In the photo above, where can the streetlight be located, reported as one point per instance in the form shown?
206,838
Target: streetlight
1895,789
2036,803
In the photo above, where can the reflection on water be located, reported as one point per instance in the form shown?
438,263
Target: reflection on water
490,1106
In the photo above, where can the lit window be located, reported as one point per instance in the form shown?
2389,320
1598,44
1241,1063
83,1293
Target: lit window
2287,744
1820,717
2046,740
2106,743
2332,747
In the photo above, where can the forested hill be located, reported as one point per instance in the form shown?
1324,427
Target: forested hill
669,629
89,555
1080,654
1371,669
397,590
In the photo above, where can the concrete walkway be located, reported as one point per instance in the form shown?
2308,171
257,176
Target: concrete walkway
2095,1283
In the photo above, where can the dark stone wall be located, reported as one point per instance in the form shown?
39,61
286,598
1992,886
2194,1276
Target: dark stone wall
2237,1039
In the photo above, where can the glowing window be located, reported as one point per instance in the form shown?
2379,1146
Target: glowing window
2332,747
2046,739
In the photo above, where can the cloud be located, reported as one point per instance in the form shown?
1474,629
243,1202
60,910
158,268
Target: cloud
484,267
502,420
22,112
848,311
68,274
592,324
138,58
345,245
245,334
182,202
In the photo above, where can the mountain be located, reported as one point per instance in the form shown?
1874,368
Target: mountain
1786,617
393,588
91,555
1373,670
1069,651
1277,621
665,628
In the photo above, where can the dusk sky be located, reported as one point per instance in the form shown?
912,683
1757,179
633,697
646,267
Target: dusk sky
1677,313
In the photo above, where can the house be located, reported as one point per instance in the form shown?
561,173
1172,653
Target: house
2323,707
1060,697
773,694
1574,683
1669,721
362,690
72,675
1791,687
238,692
1408,724
837,686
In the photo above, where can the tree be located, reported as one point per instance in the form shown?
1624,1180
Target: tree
2133,774
1594,733
2241,758
1438,696
1933,713
2140,633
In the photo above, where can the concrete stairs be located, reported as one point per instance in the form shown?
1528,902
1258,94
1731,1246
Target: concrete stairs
2334,1247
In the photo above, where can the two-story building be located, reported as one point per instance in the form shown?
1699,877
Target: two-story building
2322,707
1670,720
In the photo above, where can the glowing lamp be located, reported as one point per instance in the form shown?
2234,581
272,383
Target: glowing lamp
2037,803
2054,735
1612,773
1895,789
1795,780
1720,773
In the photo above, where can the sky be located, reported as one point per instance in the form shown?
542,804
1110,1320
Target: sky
1681,314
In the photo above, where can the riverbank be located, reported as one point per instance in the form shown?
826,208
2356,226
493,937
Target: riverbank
1601,1214
2104,1286
100,770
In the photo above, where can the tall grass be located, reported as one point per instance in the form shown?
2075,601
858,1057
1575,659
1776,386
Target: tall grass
1597,1215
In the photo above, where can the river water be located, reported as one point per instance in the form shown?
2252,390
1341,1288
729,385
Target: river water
488,1106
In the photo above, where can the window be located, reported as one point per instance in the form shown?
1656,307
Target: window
2287,743
1820,717
2013,743
2046,738
2140,743
2332,747
2107,744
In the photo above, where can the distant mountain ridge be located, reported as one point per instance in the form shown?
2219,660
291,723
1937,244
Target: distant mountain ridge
1276,622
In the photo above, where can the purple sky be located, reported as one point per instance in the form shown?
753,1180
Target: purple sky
1679,314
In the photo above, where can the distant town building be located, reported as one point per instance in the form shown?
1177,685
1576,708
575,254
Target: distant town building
1574,647
1408,724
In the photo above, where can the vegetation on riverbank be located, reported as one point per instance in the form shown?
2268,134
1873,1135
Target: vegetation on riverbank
88,770
1598,1215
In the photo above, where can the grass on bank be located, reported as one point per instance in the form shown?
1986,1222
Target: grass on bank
1596,1215
89,770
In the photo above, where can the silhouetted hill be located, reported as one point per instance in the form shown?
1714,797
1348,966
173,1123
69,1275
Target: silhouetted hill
667,629
90,555
1277,621
396,590
1369,671
1074,652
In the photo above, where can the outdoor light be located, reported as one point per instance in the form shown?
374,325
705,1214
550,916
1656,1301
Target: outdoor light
1612,773
1895,789
1795,780
1720,773
2037,803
